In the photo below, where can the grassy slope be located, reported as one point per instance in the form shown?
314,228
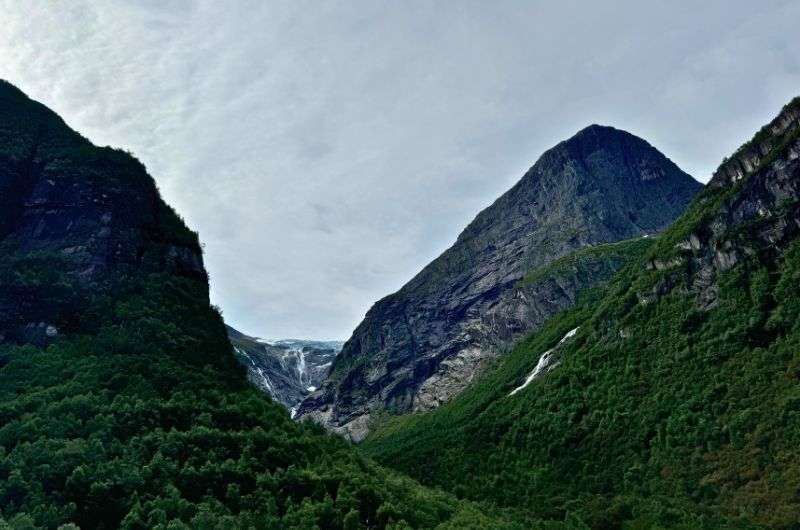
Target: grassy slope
581,261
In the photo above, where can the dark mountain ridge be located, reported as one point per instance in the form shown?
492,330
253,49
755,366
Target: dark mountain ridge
419,347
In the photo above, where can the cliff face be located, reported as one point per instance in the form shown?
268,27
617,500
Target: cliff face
287,370
83,213
750,208
420,346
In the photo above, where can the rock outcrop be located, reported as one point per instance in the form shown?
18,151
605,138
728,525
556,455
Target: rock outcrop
751,207
420,346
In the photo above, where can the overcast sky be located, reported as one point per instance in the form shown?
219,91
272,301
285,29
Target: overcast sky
326,151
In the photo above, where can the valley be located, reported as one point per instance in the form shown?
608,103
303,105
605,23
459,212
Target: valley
287,369
610,344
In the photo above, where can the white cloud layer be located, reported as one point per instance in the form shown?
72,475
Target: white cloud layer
327,150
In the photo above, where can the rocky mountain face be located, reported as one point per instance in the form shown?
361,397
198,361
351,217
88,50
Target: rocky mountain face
422,345
676,390
73,217
288,370
750,208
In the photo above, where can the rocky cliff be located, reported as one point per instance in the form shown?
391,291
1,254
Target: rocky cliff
420,346
288,370
74,216
750,208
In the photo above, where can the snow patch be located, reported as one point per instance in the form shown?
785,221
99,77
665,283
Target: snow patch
544,363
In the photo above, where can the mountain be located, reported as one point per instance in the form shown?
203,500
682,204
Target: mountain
419,347
288,370
122,404
671,398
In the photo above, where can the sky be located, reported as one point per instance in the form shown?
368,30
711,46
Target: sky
326,151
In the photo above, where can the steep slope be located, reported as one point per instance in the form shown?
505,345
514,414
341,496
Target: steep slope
288,370
422,345
121,401
677,400
84,213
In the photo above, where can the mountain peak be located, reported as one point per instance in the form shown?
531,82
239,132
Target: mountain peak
596,128
597,134
420,346
666,362
598,137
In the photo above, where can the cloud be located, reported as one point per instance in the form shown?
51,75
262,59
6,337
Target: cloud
327,151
